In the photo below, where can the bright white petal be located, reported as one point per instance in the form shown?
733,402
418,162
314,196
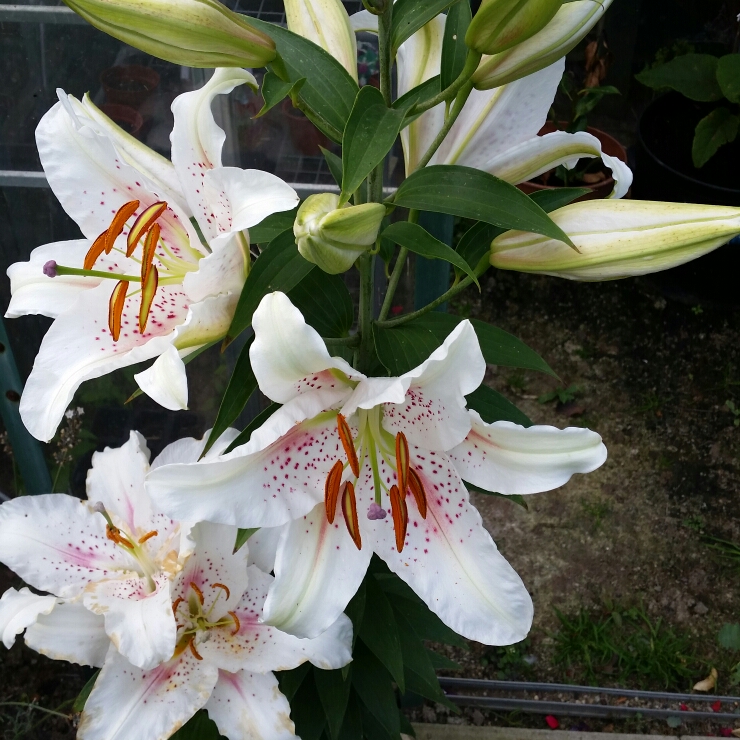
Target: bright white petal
188,449
372,392
70,633
621,173
128,702
166,381
249,706
140,624
364,21
318,570
206,321
19,610
263,545
56,543
433,414
450,560
510,459
288,356
222,271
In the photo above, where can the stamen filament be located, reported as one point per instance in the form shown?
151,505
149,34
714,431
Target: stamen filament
148,536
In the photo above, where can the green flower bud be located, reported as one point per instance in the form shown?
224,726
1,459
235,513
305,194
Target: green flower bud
569,25
618,239
193,33
333,237
501,24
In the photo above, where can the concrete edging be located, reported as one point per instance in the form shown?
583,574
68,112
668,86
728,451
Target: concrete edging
467,732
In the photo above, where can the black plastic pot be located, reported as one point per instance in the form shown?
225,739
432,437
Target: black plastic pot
664,171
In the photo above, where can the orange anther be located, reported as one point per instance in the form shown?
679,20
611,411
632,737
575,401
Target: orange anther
176,603
349,509
115,308
195,653
402,462
400,516
142,224
150,246
331,490
345,434
148,291
237,623
417,489
224,588
198,592
113,533
148,536
97,248
119,221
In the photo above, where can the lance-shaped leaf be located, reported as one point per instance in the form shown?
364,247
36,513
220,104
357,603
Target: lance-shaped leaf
419,241
492,406
454,50
693,75
371,130
272,227
713,131
728,76
471,193
274,90
410,15
334,690
371,681
325,303
334,163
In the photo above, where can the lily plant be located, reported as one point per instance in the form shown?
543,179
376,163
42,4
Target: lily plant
144,283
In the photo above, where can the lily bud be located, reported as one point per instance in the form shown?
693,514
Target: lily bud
327,24
501,24
193,33
333,237
568,26
618,239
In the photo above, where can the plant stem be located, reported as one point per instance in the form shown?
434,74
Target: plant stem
366,265
385,53
397,272
28,705
453,291
351,341
471,64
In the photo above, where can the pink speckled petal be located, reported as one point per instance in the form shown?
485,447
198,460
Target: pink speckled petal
56,543
318,569
509,459
140,623
451,562
433,415
250,706
128,702
261,648
19,610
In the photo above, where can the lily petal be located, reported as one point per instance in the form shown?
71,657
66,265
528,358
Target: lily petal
263,545
70,633
250,706
19,610
129,702
364,20
166,381
189,449
223,271
512,459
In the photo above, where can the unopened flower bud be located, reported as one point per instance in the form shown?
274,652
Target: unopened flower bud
501,24
326,23
552,42
618,239
193,33
333,237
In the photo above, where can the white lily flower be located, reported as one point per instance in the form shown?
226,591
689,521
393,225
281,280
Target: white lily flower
342,447
497,130
223,661
134,210
113,554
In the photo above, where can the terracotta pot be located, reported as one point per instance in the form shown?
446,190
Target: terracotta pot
601,189
129,85
125,116
305,136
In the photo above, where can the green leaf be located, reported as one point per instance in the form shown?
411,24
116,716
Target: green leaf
551,200
356,610
352,727
410,15
290,681
728,76
334,690
241,386
279,267
515,498
372,729
329,91
370,133
325,303
426,624
474,194
729,637
379,632
81,699
442,662
419,94
591,97
712,132
492,406
256,423
199,727
454,50
419,241
693,75
272,227
475,246
335,165
242,536
373,685
307,711
274,91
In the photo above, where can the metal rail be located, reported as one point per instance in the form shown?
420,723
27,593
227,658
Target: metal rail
59,14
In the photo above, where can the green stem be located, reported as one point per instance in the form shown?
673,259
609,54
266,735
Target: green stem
471,64
352,341
453,291
397,272
385,53
366,265
34,706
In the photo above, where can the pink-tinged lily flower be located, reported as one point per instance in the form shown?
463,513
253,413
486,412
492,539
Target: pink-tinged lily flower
113,554
223,660
141,284
345,448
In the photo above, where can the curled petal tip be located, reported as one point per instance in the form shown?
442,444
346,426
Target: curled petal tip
50,269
